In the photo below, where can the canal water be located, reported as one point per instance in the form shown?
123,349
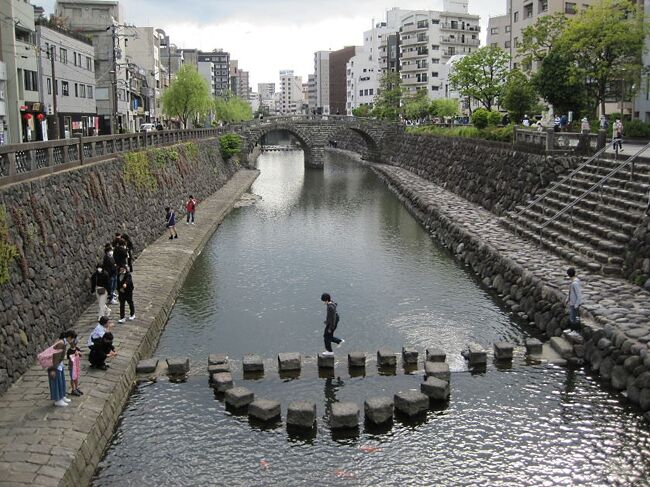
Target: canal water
256,289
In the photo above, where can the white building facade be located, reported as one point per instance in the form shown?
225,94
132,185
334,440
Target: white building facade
291,99
322,82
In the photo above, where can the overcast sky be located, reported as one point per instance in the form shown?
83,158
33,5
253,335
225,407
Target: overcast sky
269,35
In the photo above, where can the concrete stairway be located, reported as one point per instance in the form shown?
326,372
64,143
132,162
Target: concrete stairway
596,232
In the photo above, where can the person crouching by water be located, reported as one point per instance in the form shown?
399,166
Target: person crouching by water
102,349
171,223
331,322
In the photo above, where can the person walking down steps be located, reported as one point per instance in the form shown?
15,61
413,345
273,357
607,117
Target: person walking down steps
331,322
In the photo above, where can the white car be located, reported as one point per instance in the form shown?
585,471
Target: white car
147,127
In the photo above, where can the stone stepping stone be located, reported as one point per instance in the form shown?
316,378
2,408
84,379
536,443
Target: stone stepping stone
238,397
411,403
344,415
289,361
217,369
325,361
147,366
301,414
264,409
476,356
534,346
436,355
222,382
252,363
178,366
439,370
503,351
562,347
409,355
436,389
357,359
386,358
378,410
216,359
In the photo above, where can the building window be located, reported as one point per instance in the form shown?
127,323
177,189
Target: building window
47,49
494,30
507,45
434,74
31,80
435,88
423,24
516,17
76,90
543,6
569,7
435,21
508,28
82,91
90,91
435,61
89,64
49,86
435,48
63,55
65,88
516,42
528,11
371,91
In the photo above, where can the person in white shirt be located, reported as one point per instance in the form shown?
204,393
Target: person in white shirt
102,327
575,298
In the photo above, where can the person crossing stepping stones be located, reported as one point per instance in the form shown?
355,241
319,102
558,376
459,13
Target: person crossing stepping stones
331,322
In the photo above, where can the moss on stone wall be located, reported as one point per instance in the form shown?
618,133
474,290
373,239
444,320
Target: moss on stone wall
8,252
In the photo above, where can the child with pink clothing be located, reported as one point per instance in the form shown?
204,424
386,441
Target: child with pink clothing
74,365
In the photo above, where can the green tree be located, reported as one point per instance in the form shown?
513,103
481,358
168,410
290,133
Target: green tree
604,44
362,111
230,144
232,109
481,75
188,96
538,39
519,96
416,106
387,103
444,107
480,118
554,83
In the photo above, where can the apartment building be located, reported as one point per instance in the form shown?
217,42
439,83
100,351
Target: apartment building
68,94
266,93
428,39
239,80
290,98
20,87
505,31
311,93
103,21
338,90
322,82
215,68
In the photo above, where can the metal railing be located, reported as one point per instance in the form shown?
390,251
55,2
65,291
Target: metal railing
32,159
556,184
592,189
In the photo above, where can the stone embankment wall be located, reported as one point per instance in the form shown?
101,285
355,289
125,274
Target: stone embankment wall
60,223
637,257
491,174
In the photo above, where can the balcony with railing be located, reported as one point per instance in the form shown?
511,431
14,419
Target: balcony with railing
459,27
415,40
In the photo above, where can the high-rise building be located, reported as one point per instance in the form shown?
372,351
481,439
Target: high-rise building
239,80
428,39
290,100
322,82
266,93
215,68
338,61
311,93
19,81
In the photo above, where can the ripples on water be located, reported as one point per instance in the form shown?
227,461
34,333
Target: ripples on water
256,288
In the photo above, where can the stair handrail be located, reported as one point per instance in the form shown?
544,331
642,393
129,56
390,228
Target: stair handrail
559,182
593,188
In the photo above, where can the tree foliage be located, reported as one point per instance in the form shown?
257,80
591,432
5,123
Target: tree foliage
230,144
604,44
480,118
387,103
444,107
188,96
361,111
416,106
538,39
232,109
481,75
554,83
519,96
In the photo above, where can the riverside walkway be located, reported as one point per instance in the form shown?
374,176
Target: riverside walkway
42,445
609,301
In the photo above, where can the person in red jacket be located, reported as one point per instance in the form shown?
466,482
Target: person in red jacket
190,206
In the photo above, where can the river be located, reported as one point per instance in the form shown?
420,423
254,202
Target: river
256,289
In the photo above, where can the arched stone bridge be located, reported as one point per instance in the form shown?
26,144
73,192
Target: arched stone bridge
314,133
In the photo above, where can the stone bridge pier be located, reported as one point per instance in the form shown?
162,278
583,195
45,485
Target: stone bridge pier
315,133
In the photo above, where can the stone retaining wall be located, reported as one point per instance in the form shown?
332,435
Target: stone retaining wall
491,174
613,342
60,223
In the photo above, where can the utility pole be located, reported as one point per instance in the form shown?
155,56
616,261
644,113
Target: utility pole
55,112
